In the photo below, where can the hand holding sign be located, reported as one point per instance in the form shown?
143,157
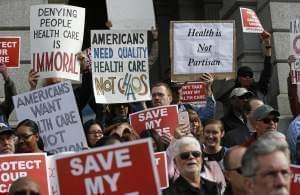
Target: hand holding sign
209,79
33,78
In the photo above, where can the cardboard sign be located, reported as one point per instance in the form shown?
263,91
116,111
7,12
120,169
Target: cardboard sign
126,168
131,14
120,66
295,50
193,92
16,166
162,169
250,21
295,179
10,51
202,47
55,111
56,35
164,119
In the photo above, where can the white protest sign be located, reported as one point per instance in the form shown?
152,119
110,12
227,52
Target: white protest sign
295,50
120,66
56,35
202,47
131,14
55,111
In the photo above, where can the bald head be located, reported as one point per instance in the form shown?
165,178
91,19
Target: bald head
233,157
24,185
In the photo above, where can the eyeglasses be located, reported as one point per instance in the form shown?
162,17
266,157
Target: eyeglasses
24,137
25,192
268,120
186,155
95,132
238,170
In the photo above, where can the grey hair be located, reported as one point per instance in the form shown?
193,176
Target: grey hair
273,135
186,140
262,147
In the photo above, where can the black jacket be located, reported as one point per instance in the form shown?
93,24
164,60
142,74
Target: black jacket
182,187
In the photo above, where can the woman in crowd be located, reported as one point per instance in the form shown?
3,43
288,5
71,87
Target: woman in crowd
196,125
28,138
213,134
93,132
188,160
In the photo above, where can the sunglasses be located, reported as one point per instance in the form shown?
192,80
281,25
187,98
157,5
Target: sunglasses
246,74
246,96
238,170
268,120
186,155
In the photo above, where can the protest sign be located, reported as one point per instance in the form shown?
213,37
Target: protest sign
164,119
295,50
114,169
56,35
131,14
295,179
162,169
54,109
10,51
193,92
250,21
120,66
15,166
202,47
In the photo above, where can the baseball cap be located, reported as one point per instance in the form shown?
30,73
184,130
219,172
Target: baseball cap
263,111
5,128
245,71
240,91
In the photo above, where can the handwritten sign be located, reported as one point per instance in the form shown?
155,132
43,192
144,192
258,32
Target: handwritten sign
295,50
201,47
13,167
193,92
54,109
56,35
250,21
111,170
10,51
163,119
120,66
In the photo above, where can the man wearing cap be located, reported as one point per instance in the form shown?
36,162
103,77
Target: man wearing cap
264,119
235,118
245,76
7,139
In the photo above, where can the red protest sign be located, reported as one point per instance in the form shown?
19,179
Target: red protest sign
10,51
193,92
250,21
126,168
164,119
162,169
295,179
15,166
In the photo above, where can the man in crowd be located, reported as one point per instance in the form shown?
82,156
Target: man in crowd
264,119
232,166
266,167
240,135
235,118
293,133
7,139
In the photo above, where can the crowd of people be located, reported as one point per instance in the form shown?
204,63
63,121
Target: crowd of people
241,153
